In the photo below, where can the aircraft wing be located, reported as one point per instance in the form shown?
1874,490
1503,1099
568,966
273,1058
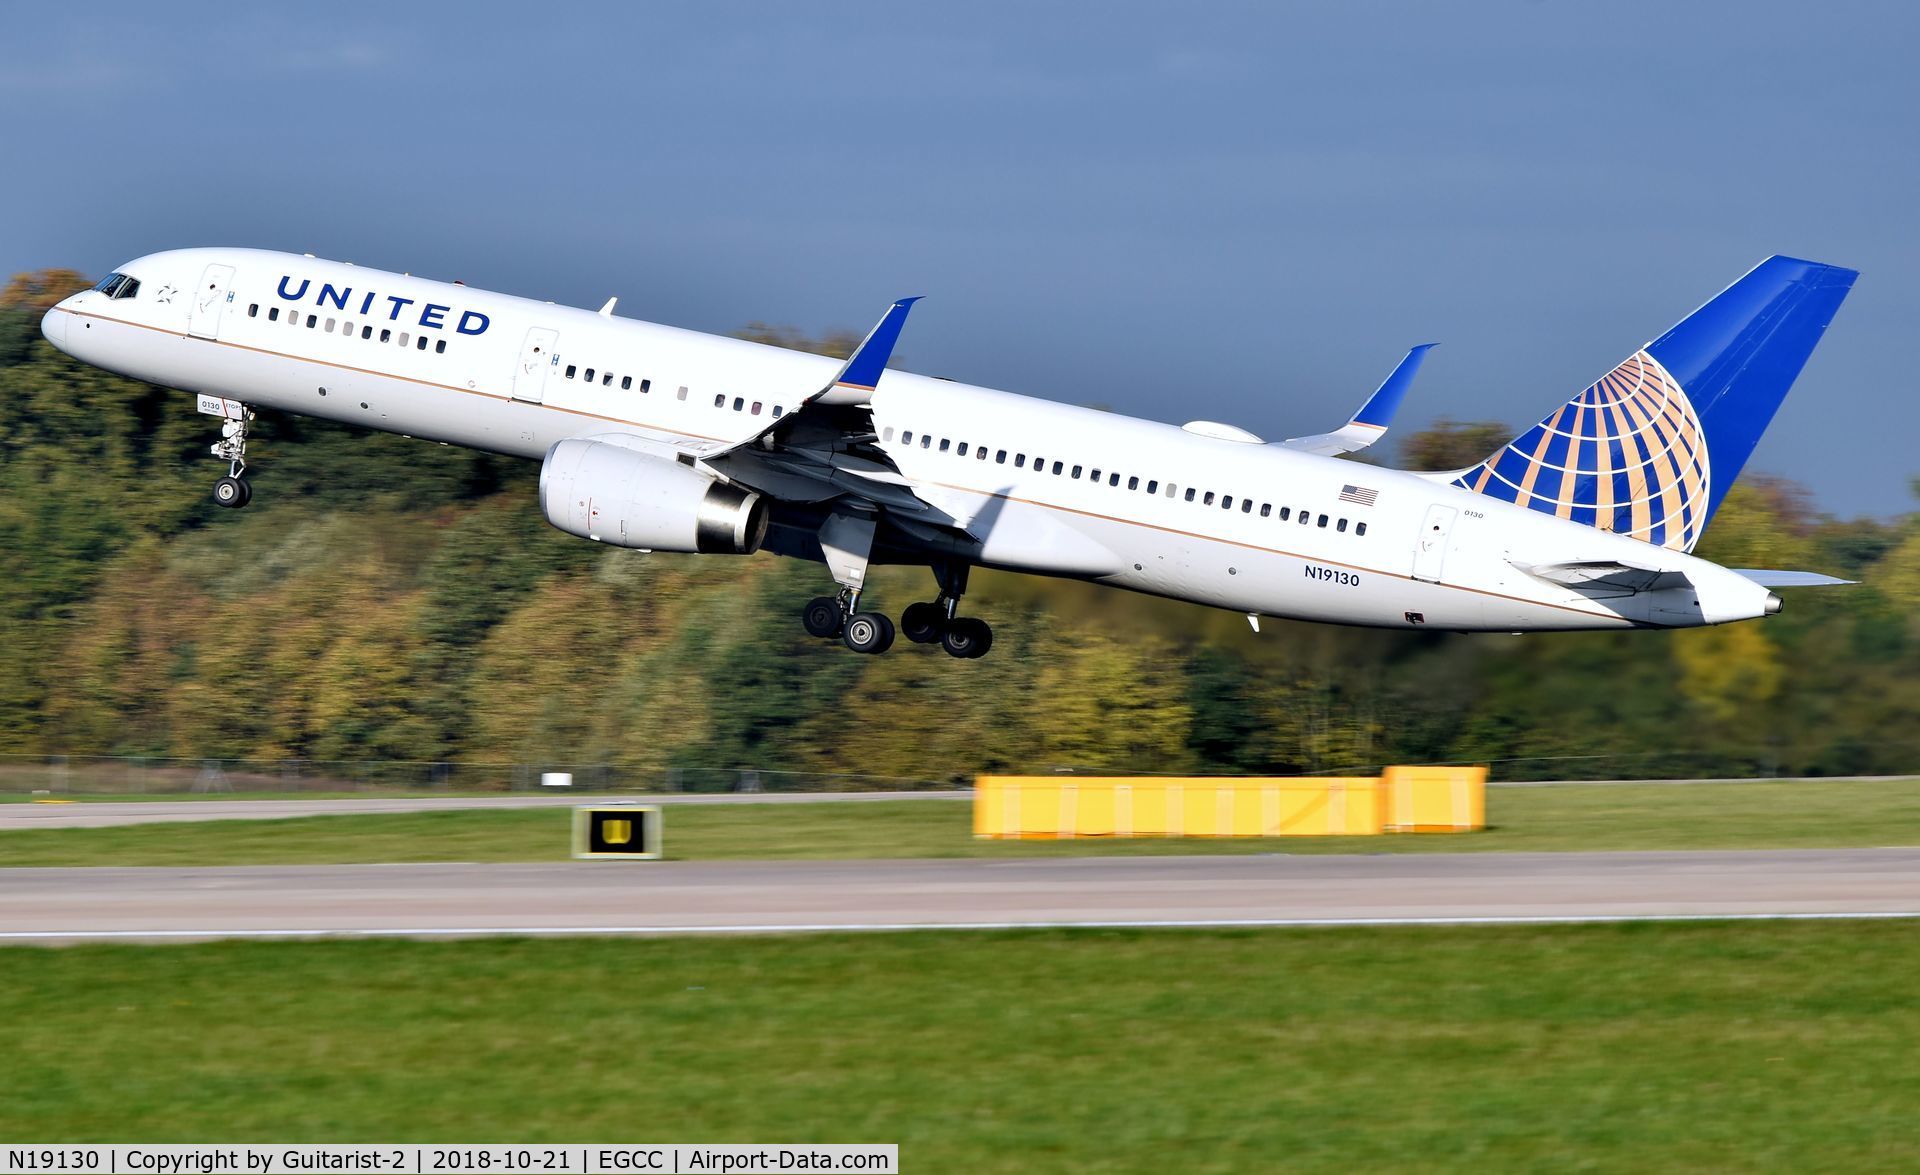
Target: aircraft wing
826,448
1370,423
1606,575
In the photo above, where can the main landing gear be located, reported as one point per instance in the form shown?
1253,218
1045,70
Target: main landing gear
924,623
232,491
966,637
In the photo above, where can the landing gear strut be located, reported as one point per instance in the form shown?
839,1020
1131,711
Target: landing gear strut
938,622
846,542
232,491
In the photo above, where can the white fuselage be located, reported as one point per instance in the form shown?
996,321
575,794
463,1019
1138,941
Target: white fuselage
1256,528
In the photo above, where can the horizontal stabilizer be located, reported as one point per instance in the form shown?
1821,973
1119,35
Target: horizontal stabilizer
1607,574
1370,423
1774,579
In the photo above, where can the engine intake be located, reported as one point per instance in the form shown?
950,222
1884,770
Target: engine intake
612,494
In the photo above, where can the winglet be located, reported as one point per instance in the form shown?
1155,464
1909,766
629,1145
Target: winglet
1370,423
861,375
1378,411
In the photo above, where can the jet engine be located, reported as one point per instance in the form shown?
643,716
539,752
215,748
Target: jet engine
612,494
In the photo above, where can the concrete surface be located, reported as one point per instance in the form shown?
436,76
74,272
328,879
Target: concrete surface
632,897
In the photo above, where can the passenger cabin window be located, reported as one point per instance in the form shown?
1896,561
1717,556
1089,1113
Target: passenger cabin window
589,375
1359,528
366,332
1286,512
720,401
755,410
312,319
420,344
1000,458
1266,508
273,314
777,411
606,380
440,347
253,311
1208,500
1342,528
386,335
1323,521
1019,460
944,444
1189,493
403,338
1056,468
1133,483
1076,472
626,383
980,453
646,385
963,449
683,392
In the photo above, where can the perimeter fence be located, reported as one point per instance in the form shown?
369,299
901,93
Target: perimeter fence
160,775
137,775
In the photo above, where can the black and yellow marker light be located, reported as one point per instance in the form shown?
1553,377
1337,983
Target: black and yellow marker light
628,831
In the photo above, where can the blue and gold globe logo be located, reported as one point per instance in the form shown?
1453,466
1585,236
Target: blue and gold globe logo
1627,455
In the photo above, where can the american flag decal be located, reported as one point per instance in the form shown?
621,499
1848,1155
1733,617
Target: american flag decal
1358,495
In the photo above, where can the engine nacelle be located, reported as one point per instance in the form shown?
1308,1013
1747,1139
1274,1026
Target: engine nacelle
616,495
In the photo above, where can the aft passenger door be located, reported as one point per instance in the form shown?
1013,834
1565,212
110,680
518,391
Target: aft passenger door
210,302
1430,547
536,357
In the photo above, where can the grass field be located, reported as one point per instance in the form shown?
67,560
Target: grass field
1640,816
1701,1047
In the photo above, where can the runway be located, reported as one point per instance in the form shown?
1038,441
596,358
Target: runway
107,814
635,898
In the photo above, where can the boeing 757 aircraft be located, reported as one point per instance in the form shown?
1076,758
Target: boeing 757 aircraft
663,439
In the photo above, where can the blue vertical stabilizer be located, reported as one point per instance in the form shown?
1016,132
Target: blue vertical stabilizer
1652,448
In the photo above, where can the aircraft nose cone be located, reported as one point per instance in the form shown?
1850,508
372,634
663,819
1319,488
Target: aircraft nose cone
53,324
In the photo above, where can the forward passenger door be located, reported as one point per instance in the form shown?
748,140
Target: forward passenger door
209,302
537,357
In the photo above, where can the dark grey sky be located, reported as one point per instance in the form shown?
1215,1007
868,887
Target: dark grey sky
1239,212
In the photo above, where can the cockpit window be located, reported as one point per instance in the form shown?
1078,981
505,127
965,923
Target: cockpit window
119,285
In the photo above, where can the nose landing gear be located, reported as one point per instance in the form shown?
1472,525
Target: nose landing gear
232,491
